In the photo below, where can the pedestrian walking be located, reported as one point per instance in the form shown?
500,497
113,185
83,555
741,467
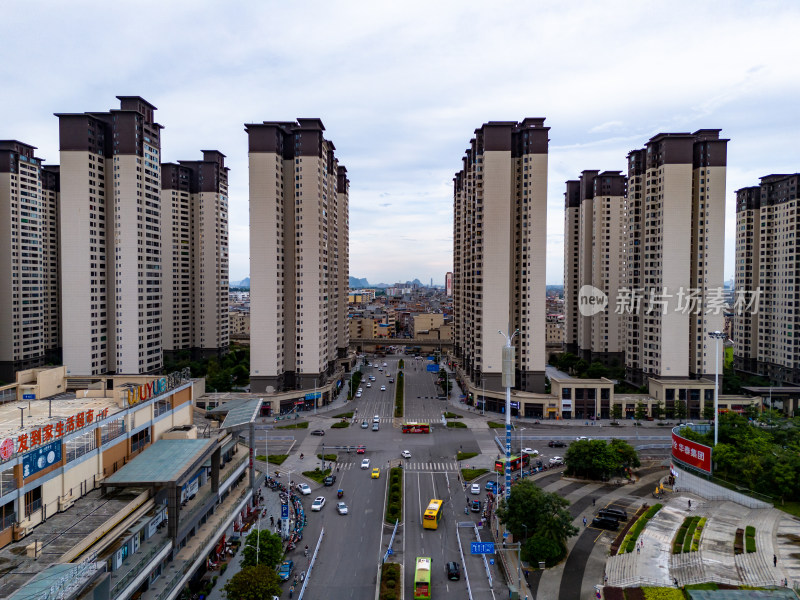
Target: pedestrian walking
593,501
584,521
690,505
774,561
638,549
291,592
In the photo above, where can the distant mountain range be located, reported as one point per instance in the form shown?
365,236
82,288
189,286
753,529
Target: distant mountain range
244,283
359,283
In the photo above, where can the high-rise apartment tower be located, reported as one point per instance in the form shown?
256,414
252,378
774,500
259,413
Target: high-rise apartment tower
593,257
299,261
766,317
499,245
29,309
110,243
673,260
194,196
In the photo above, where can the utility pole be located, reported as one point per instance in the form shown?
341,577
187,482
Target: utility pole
508,383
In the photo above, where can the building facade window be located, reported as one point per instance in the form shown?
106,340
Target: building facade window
80,445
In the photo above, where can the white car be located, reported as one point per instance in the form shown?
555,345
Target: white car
384,364
372,377
581,437
365,463
530,451
318,503
369,384
376,419
360,390
383,388
475,489
303,489
341,508
556,460
405,454
358,394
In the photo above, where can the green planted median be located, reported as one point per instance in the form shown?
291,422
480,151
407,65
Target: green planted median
394,499
274,459
301,425
470,474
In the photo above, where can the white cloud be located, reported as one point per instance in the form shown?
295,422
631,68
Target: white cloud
401,87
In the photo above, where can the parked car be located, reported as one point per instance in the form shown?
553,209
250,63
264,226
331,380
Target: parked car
303,489
341,508
556,460
613,513
329,480
491,486
318,503
605,523
405,454
581,438
453,571
475,489
475,506
318,432
365,463
557,444
376,473
286,569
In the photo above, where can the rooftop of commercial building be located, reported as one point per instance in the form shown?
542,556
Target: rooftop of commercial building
164,461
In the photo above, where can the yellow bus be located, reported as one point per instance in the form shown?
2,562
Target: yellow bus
433,514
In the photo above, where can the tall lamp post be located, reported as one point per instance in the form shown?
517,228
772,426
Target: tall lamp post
717,336
508,383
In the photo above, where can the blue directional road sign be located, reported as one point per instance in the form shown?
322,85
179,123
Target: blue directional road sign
284,511
481,547
390,552
433,368
29,396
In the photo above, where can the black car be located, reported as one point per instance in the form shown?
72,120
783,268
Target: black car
613,513
453,571
557,444
329,480
318,432
475,506
605,523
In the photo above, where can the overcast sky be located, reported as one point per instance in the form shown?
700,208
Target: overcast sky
402,86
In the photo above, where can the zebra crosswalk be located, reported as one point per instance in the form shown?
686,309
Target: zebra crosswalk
408,465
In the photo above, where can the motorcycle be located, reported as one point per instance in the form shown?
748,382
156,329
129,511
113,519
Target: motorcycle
339,493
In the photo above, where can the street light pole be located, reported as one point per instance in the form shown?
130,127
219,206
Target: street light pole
508,383
315,395
717,336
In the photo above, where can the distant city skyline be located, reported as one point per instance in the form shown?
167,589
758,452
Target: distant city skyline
400,99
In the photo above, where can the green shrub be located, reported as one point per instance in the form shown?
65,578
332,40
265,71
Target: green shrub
301,425
457,424
750,531
344,415
275,459
394,500
466,455
391,584
750,544
340,425
328,457
451,415
470,474
496,425
222,568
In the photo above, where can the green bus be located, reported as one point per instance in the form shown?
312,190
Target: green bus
422,578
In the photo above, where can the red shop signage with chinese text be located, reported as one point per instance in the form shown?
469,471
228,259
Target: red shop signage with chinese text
692,453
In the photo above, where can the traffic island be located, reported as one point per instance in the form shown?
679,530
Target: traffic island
394,499
274,459
470,474
390,581
317,475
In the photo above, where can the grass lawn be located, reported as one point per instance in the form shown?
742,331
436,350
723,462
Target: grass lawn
317,475
466,455
344,415
340,425
327,456
496,425
457,424
274,459
792,507
450,415
470,474
303,425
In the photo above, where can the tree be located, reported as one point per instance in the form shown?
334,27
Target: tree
253,583
616,412
595,459
680,410
625,453
540,548
580,367
596,370
641,411
544,514
270,550
658,410
708,410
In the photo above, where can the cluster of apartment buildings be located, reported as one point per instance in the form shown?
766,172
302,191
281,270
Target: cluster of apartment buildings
643,271
113,256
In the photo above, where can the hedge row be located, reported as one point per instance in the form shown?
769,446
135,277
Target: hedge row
750,538
394,499
629,543
398,396
390,581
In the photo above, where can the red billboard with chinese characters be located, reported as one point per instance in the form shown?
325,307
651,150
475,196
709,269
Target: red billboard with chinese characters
691,453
